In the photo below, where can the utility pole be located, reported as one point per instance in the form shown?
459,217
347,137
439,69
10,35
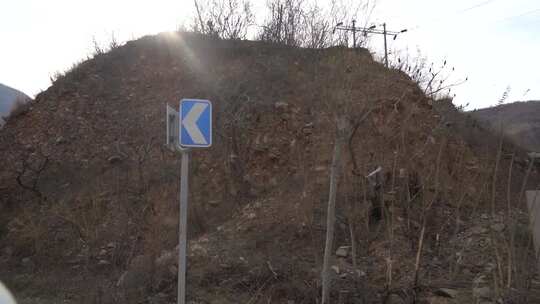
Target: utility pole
371,30
385,48
354,33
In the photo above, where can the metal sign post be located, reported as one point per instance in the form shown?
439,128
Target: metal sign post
190,127
182,239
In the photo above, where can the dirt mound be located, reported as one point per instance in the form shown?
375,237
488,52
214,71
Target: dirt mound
90,192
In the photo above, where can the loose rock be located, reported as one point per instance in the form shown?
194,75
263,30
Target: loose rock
498,227
482,292
447,292
114,159
280,105
213,203
342,251
394,299
478,230
26,261
60,140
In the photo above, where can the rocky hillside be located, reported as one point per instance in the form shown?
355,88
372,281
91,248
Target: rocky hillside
88,195
8,98
520,122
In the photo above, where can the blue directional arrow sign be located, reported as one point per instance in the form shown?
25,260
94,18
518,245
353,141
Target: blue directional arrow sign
195,123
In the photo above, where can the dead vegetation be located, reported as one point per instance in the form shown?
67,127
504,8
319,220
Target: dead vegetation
436,79
297,23
415,218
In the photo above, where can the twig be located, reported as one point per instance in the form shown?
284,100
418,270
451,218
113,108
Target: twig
494,182
418,253
271,269
509,221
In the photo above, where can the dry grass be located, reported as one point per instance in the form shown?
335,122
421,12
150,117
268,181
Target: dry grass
277,157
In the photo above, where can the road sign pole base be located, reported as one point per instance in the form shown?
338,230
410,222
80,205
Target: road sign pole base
182,238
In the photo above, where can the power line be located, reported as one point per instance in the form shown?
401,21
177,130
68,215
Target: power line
454,14
475,6
371,30
530,12
518,16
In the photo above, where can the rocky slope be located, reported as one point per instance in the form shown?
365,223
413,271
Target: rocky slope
520,122
89,192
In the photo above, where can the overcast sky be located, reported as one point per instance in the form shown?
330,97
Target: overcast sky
496,43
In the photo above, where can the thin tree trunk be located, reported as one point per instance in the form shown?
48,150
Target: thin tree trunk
352,213
331,214
353,241
201,22
495,171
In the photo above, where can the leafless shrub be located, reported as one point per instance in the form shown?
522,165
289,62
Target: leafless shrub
226,19
236,115
427,203
504,96
28,232
113,44
299,23
348,117
98,49
140,156
304,23
285,22
84,216
342,126
436,80
60,78
317,28
102,48
56,76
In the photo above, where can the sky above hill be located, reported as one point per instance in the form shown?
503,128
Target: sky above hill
495,43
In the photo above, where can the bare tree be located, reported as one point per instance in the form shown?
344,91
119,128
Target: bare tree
285,22
348,114
226,19
317,28
306,23
298,23
342,125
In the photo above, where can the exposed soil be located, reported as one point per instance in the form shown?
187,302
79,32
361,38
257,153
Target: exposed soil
89,192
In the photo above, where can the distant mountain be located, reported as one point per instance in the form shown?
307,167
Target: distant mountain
8,96
520,122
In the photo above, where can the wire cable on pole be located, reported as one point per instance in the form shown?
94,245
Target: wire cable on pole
370,30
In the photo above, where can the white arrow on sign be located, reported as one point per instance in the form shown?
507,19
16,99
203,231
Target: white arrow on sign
190,123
